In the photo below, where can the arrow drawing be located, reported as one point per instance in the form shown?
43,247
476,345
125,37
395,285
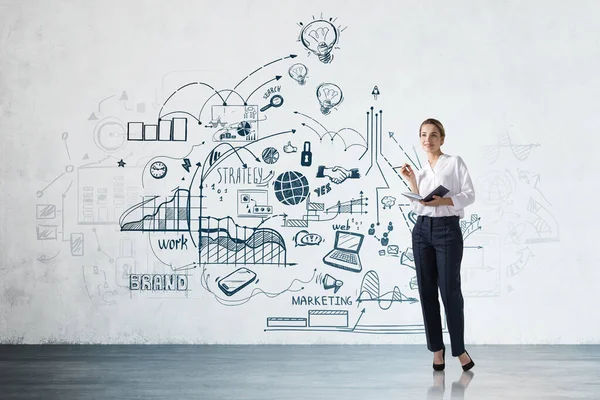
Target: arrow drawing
517,266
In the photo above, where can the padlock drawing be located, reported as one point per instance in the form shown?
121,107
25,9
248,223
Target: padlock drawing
306,156
124,263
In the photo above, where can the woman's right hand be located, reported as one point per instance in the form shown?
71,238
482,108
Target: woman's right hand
407,173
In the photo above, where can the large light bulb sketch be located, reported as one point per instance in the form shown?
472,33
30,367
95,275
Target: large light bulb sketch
319,37
329,96
298,73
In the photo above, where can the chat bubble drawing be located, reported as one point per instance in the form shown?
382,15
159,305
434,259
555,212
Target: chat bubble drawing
305,238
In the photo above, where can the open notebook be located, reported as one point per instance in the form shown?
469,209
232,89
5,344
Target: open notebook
438,191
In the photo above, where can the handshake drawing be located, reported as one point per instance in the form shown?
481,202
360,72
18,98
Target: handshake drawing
337,174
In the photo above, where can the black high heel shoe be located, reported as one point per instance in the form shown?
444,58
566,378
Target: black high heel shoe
468,365
440,367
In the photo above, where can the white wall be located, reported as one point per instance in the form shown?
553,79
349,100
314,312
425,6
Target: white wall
514,83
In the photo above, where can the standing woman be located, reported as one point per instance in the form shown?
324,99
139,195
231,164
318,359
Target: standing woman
438,242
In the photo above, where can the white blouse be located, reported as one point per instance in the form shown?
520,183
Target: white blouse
451,172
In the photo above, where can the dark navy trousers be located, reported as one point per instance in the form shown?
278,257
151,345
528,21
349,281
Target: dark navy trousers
438,250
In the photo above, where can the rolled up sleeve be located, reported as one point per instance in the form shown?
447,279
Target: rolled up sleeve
466,196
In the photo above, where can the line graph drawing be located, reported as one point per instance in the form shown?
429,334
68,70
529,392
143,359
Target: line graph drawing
219,237
370,291
171,215
352,206
222,241
520,151
314,211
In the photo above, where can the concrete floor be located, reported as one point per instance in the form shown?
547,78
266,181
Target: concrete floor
295,372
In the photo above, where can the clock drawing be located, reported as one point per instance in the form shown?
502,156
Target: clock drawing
158,170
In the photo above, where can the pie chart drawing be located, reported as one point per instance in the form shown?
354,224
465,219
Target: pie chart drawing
244,128
270,155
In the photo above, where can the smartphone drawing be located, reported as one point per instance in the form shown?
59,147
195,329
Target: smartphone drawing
236,281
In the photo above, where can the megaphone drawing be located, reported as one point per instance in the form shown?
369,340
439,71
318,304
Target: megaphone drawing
329,282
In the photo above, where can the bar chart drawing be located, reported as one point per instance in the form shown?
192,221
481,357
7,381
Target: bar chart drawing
328,318
338,321
167,130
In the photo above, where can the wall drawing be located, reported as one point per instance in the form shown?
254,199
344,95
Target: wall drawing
240,198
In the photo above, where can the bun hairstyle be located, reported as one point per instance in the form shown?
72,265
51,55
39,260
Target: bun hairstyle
437,124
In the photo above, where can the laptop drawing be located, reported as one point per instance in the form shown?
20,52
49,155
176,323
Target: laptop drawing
345,252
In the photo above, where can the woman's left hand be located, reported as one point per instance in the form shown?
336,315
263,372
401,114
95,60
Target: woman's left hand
437,201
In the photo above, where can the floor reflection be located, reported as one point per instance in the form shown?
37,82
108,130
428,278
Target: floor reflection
437,389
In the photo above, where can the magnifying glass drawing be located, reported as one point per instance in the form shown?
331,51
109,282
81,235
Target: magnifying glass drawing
276,101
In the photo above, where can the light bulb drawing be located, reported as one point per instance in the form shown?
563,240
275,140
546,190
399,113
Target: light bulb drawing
298,73
319,37
329,96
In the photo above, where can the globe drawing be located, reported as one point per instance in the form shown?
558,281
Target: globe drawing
496,188
270,155
291,188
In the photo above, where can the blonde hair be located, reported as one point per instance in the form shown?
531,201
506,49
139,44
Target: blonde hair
438,124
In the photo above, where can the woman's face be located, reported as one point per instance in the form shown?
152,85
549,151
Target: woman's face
431,139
